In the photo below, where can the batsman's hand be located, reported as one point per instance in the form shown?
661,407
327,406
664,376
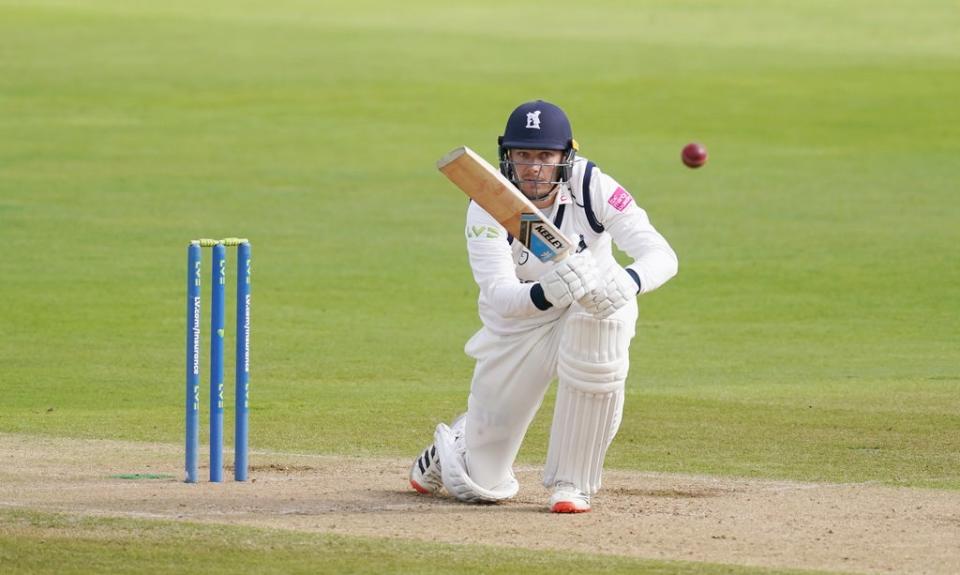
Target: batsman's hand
570,280
613,293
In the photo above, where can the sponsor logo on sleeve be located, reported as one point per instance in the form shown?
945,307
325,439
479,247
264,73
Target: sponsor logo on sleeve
621,199
482,232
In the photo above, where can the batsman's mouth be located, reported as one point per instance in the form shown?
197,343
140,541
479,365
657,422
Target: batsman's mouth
536,189
535,183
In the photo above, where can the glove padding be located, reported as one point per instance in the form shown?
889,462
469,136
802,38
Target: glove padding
611,295
570,280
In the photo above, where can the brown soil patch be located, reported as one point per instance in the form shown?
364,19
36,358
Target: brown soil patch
849,527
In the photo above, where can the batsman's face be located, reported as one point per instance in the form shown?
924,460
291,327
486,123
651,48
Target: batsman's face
537,172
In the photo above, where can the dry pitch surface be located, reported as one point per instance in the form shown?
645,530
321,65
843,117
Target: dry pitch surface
851,527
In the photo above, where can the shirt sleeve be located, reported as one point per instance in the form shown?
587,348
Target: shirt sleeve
491,259
654,261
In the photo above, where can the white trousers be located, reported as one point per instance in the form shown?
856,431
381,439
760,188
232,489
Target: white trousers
512,375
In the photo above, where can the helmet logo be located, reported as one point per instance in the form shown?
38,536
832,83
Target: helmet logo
533,120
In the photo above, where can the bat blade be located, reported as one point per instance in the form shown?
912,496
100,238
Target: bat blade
494,193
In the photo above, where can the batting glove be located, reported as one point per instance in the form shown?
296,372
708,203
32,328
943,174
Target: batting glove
570,280
614,293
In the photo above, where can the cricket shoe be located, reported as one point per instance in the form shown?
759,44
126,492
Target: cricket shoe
425,474
567,498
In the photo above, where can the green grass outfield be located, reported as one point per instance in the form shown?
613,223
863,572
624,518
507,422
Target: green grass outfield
50,543
811,334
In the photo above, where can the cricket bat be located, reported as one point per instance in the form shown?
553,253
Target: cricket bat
502,200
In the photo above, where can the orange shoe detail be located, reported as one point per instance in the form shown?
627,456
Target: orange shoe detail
419,488
568,507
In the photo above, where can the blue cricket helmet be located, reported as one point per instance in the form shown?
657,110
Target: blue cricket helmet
538,125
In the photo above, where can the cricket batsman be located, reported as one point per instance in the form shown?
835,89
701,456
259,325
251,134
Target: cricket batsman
571,321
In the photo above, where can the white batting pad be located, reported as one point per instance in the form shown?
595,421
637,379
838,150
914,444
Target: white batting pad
451,448
592,368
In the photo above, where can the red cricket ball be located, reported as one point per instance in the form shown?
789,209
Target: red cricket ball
694,155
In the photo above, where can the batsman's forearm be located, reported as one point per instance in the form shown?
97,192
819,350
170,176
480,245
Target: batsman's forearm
654,261
655,268
512,299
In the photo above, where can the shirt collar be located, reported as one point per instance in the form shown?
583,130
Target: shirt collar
563,194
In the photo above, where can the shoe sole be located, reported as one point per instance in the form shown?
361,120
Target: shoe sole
420,488
568,507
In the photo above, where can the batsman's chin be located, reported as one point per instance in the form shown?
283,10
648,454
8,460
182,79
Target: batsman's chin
539,193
